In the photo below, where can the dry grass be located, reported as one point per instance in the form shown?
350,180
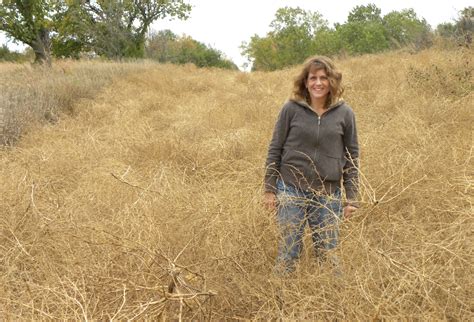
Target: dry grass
34,95
145,202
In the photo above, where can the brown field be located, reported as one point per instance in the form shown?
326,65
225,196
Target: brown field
133,191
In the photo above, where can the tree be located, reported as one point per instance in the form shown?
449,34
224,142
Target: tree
117,29
262,52
290,41
327,42
294,30
364,31
161,46
69,40
362,38
365,14
31,21
404,27
288,18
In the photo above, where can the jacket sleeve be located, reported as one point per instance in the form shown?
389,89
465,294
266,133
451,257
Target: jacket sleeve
275,149
351,167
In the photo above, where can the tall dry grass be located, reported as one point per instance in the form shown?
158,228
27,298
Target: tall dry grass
35,95
145,203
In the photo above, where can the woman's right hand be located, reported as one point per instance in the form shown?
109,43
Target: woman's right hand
270,201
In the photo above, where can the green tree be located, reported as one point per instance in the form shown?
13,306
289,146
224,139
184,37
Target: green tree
31,21
327,42
294,30
290,41
362,38
262,52
404,27
364,31
365,14
70,38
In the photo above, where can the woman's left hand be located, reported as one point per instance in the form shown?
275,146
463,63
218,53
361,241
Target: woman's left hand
349,211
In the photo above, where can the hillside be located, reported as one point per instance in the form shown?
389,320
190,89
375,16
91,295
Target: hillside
144,199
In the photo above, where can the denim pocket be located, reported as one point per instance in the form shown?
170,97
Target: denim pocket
334,203
289,195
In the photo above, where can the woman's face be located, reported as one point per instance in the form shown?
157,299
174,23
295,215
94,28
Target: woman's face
318,85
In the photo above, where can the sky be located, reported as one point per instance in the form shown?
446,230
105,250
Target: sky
225,24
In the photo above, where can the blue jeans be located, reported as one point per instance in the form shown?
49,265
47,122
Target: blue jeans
296,208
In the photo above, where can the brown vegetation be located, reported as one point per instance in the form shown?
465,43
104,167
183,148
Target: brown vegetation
145,201
37,94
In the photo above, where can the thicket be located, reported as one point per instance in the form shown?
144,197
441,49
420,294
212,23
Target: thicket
166,47
7,55
461,30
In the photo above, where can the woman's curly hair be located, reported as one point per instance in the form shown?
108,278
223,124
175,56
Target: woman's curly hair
300,91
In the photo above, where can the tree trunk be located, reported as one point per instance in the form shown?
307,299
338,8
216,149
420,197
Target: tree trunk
139,44
42,47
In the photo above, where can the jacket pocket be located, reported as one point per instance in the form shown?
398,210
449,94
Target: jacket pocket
288,156
329,168
296,166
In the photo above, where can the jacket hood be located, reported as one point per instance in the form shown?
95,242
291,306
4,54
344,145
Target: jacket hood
305,104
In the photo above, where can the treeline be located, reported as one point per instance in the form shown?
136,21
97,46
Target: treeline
120,30
296,34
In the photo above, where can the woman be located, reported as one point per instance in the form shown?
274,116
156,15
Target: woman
313,149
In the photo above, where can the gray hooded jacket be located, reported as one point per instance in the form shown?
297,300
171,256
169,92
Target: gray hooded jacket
314,153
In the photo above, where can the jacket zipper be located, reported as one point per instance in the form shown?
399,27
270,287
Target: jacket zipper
317,135
319,123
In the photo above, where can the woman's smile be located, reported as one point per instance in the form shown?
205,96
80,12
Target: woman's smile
318,84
